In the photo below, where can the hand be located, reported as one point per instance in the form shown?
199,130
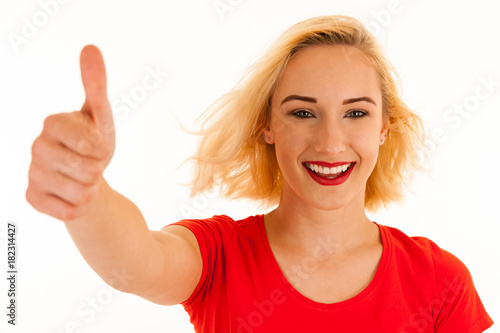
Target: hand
71,153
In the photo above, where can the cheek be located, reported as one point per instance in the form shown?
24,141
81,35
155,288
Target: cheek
366,144
289,141
283,130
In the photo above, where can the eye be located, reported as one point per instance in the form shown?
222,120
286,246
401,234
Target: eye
302,113
356,114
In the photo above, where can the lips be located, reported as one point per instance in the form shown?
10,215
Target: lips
328,174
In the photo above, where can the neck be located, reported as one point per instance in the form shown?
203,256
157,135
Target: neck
299,227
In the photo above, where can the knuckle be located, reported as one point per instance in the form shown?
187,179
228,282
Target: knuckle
42,203
72,159
92,172
95,135
84,147
73,192
50,123
31,198
84,198
66,213
81,195
34,174
36,199
106,150
57,123
37,147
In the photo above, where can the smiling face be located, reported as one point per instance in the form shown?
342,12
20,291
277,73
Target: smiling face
326,116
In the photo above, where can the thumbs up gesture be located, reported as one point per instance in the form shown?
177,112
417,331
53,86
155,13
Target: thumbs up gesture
71,153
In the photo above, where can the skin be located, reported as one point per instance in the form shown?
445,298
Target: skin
70,155
66,182
329,131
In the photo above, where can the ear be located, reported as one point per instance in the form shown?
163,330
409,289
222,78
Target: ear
383,133
268,136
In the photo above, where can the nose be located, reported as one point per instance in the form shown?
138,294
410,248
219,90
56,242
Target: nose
330,138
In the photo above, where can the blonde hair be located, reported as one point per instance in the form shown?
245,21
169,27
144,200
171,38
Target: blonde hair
232,153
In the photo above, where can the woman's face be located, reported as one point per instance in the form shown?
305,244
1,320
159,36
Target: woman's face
326,117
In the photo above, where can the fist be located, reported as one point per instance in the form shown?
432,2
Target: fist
71,153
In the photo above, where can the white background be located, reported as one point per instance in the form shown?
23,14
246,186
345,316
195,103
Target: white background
442,50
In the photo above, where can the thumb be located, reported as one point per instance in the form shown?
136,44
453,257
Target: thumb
93,74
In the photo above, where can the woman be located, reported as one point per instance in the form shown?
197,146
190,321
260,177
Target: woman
317,127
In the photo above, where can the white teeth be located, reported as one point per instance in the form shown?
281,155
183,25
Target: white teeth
336,169
328,171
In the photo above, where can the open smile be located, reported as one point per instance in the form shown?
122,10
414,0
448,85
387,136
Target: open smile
329,173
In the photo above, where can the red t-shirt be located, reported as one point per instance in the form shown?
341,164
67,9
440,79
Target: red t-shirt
418,287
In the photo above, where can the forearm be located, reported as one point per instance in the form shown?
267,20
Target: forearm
115,241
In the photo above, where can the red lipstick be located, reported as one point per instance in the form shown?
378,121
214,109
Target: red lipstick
326,164
327,181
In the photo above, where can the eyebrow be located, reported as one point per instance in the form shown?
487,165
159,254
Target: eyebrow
314,100
300,98
358,99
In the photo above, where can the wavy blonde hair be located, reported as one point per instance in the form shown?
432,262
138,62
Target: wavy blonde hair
233,155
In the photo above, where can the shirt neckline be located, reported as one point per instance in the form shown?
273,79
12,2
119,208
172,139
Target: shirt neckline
386,250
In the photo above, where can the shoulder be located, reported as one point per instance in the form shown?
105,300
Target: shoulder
423,251
447,279
218,227
219,222
452,300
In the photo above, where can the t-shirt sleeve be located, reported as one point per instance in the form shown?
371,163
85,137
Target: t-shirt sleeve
457,306
213,235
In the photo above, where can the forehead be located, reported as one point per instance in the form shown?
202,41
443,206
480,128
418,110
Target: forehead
329,72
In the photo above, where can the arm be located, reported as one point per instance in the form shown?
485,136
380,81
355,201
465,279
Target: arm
161,266
66,181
